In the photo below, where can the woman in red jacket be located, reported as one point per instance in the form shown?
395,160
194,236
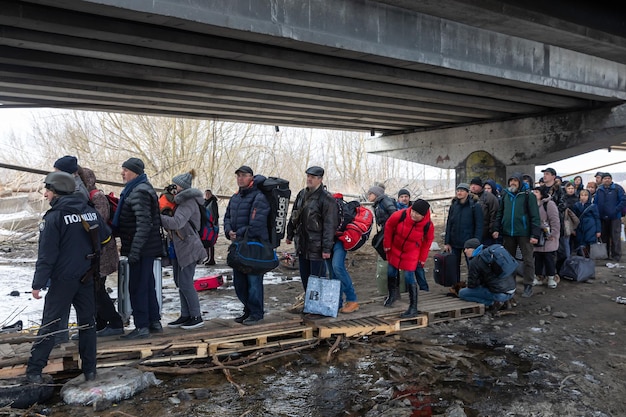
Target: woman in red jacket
407,239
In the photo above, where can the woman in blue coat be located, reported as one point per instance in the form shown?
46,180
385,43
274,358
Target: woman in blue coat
589,229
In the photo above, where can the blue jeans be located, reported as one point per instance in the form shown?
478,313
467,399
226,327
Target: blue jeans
420,277
249,290
482,295
339,271
409,276
308,267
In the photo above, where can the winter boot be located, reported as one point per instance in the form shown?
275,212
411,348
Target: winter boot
412,311
393,289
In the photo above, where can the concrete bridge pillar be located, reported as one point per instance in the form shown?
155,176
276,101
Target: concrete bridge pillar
482,164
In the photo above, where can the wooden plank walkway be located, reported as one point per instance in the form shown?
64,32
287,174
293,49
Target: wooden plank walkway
219,337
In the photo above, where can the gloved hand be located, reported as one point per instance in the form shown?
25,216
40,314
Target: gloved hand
133,258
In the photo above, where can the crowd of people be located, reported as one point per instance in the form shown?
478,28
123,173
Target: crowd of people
542,222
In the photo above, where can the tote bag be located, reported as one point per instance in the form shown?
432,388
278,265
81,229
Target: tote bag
322,296
598,250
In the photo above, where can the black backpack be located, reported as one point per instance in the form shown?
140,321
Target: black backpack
277,192
346,211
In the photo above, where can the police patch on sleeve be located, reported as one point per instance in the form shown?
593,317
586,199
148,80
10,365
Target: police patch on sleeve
42,225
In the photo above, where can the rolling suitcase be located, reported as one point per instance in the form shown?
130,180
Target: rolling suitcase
446,269
123,297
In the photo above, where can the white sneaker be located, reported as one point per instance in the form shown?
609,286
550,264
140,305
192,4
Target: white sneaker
551,282
537,282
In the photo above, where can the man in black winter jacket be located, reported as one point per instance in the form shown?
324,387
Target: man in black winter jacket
312,225
483,284
138,223
68,260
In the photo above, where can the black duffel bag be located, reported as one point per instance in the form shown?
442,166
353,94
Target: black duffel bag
251,256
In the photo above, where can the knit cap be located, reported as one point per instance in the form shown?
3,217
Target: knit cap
134,164
472,243
421,206
463,186
376,190
476,181
404,191
184,180
67,164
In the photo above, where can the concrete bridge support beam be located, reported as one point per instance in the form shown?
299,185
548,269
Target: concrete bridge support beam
517,144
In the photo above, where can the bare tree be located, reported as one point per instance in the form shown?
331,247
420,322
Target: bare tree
169,146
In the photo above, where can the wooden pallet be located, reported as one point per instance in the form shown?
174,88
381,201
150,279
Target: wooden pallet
162,350
410,323
440,308
357,327
225,337
247,342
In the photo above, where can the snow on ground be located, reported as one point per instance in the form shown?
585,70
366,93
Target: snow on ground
16,276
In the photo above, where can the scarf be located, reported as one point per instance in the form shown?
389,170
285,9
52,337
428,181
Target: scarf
130,185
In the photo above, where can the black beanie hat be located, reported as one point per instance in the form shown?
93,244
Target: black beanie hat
421,206
477,181
134,164
67,163
404,191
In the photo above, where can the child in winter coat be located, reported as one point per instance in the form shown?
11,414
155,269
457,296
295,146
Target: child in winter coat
589,229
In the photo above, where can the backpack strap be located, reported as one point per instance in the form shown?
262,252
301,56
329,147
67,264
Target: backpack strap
92,193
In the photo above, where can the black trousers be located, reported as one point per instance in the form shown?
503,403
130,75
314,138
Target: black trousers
106,314
61,295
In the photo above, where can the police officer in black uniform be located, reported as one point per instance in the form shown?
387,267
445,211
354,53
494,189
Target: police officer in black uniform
66,258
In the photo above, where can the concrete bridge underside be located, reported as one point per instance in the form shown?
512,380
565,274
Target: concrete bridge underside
526,81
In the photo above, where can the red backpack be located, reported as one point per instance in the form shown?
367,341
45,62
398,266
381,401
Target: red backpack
355,223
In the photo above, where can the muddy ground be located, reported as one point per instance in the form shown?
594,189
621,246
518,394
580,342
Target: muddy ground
559,353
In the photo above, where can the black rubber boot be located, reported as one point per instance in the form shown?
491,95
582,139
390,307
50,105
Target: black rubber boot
393,288
412,311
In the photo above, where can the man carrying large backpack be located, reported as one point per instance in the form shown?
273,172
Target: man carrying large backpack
486,283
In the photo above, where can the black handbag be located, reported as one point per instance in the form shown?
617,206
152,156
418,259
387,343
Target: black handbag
377,243
251,256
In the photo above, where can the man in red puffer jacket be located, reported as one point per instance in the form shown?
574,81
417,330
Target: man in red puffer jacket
407,239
